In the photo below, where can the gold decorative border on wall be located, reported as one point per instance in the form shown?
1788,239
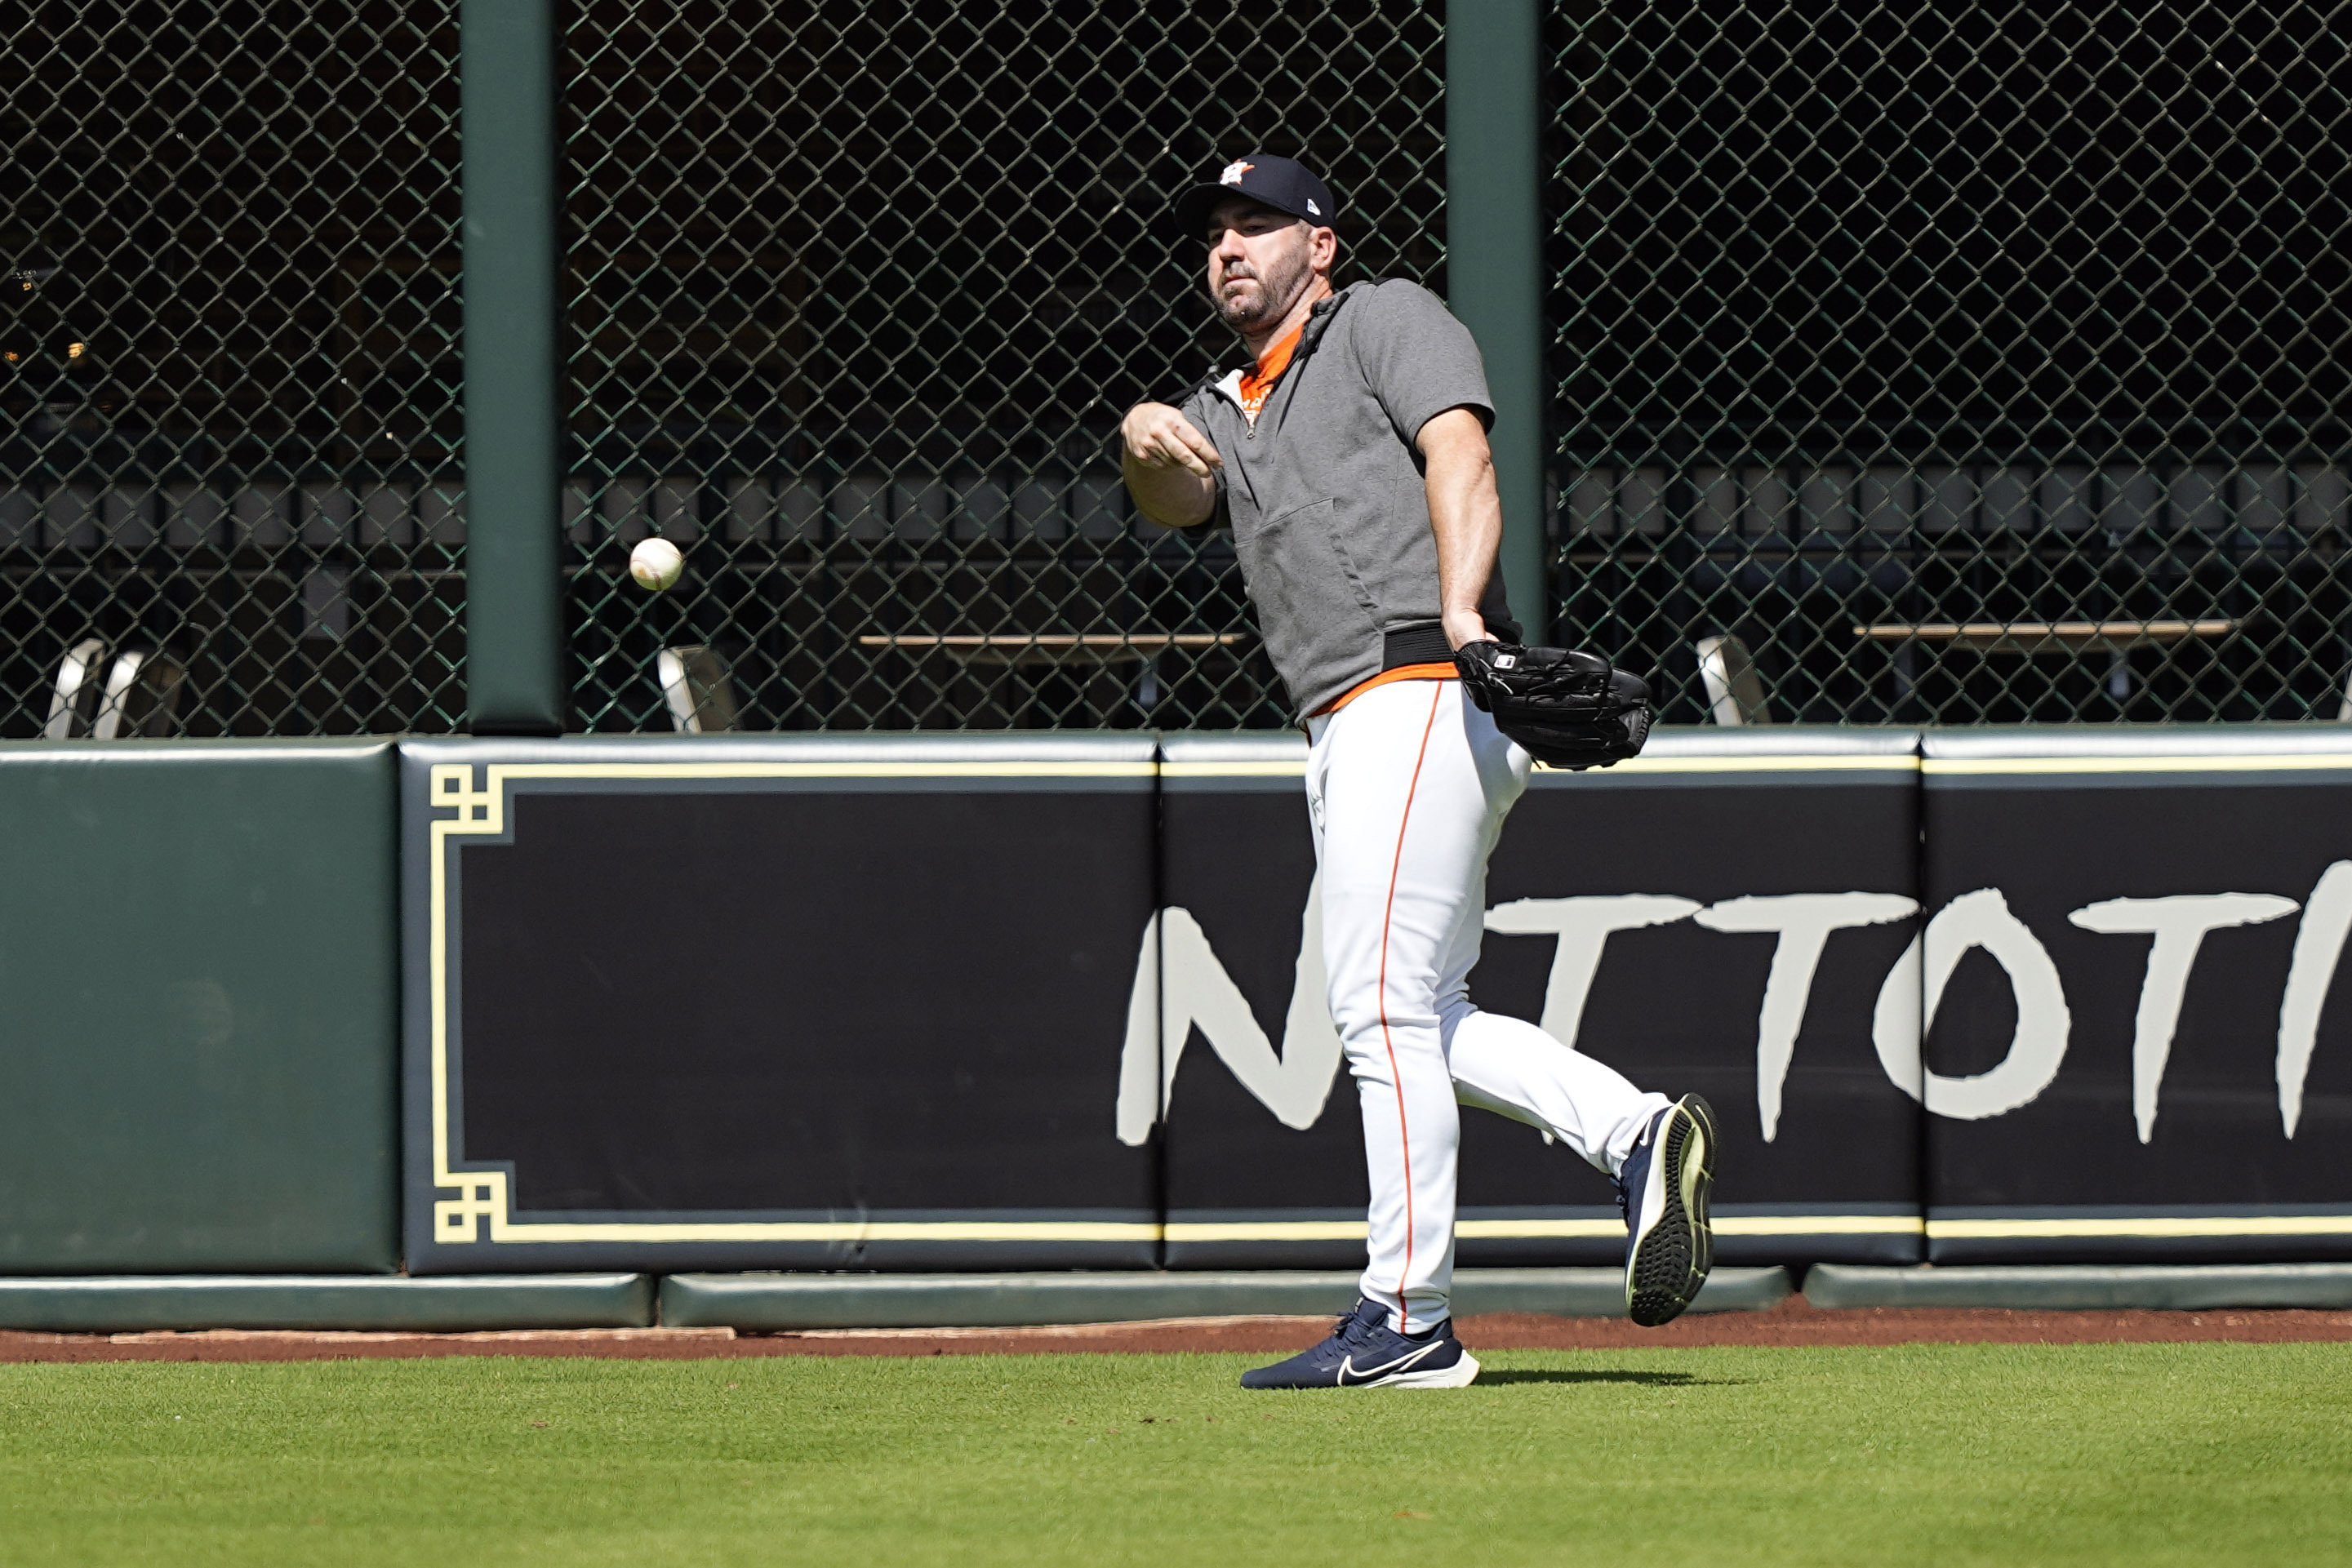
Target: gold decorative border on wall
2182,1226
1541,1229
461,810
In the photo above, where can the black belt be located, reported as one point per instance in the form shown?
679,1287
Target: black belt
1421,644
1426,643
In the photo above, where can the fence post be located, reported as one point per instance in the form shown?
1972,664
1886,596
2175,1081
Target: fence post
514,680
1494,263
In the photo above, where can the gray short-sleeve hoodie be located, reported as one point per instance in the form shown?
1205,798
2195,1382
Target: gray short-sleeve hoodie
1325,493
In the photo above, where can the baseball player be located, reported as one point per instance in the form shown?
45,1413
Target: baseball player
1350,459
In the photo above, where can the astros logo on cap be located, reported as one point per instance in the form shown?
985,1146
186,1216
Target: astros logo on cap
1233,172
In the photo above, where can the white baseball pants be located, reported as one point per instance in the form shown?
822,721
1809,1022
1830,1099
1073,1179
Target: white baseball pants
1408,786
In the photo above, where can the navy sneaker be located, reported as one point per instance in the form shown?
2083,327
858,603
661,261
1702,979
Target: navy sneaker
1662,1189
1363,1352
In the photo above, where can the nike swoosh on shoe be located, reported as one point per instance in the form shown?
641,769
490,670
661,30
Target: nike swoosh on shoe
1399,1365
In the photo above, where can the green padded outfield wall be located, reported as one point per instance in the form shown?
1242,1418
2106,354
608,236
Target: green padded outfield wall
197,1007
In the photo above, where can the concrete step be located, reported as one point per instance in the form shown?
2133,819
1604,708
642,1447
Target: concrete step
2083,1287
444,1303
990,1301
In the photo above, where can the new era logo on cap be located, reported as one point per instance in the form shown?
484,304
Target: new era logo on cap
1283,183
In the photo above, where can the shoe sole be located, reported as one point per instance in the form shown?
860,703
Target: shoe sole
1459,1376
1669,1264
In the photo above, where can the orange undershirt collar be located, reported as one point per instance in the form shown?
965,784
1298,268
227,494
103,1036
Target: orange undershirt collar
1258,381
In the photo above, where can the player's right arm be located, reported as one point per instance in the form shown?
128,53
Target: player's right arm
1170,468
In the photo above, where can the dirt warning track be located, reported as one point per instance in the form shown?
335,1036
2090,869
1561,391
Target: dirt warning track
1792,1322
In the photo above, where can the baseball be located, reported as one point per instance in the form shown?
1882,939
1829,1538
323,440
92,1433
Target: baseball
656,564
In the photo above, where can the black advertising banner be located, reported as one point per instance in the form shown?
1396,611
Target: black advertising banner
774,1002
1264,1147
1720,914
2138,1046
1058,1001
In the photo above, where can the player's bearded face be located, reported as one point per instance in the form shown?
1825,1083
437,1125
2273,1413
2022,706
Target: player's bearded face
1256,278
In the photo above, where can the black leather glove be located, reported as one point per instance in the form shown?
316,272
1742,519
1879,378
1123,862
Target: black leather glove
1567,708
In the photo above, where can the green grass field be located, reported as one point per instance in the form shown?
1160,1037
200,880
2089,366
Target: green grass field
1991,1454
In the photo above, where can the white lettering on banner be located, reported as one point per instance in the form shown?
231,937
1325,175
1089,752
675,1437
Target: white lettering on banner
2319,945
1803,921
1583,926
2178,924
1180,983
2036,1047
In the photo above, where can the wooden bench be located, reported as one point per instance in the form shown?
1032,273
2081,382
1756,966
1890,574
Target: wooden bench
1054,647
2032,637
2047,636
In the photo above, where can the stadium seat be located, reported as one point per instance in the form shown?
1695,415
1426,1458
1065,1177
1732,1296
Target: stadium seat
73,705
143,696
1735,691
699,690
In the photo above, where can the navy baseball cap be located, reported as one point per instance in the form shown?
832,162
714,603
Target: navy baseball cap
1282,183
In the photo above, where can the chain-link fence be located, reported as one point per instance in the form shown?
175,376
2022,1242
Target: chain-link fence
858,300
1955,363
228,486
1948,364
